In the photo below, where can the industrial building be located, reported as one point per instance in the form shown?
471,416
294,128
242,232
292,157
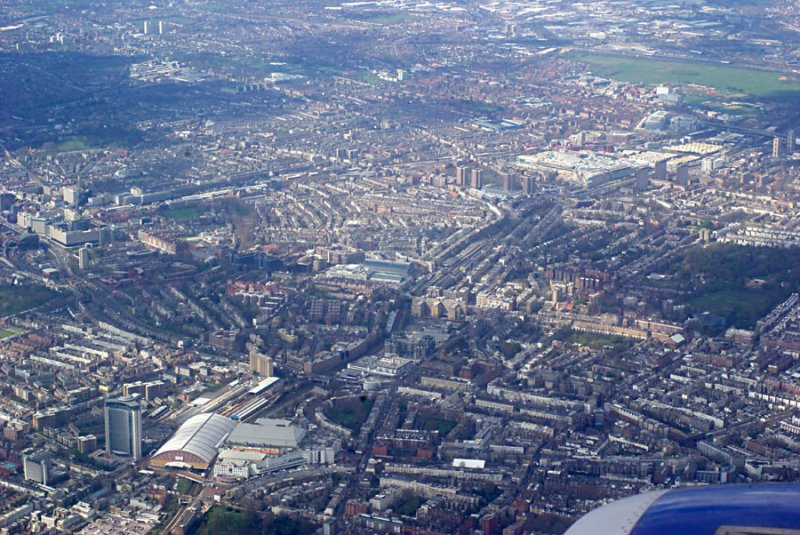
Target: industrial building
267,433
194,444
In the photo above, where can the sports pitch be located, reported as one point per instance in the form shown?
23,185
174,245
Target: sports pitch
727,79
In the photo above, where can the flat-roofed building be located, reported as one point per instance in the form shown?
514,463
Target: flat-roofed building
267,433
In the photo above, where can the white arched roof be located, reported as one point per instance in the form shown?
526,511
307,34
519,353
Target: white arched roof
200,435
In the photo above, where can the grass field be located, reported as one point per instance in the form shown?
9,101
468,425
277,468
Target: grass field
722,104
69,145
596,341
370,79
185,486
724,78
6,332
476,107
743,111
111,139
181,214
15,299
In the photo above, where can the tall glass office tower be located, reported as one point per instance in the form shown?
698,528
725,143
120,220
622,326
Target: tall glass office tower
124,427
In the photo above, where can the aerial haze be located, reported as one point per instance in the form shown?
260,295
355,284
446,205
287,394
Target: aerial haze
399,266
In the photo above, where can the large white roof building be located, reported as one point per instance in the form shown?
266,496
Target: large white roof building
195,444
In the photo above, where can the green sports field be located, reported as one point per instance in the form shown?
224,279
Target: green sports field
6,332
181,214
727,79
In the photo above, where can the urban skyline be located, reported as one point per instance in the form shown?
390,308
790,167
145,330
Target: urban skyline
396,267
